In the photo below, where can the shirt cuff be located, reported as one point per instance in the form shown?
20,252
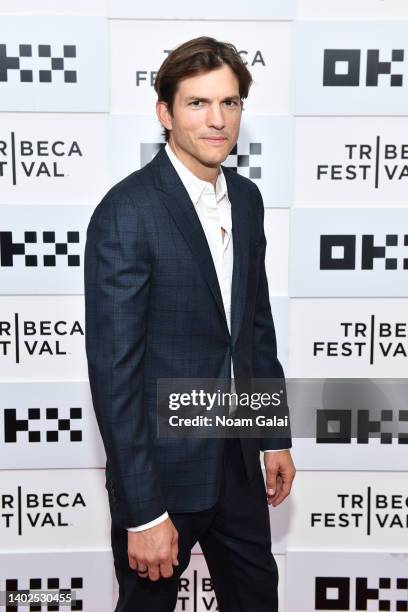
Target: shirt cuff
273,450
152,523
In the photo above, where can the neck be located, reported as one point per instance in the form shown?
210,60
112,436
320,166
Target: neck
204,173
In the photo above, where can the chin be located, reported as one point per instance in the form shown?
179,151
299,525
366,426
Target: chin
214,157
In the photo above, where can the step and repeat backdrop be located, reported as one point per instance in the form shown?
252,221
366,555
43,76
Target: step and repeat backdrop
325,137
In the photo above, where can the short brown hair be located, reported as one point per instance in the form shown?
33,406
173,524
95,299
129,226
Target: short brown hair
194,57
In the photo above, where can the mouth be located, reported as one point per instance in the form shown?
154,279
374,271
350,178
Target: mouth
215,140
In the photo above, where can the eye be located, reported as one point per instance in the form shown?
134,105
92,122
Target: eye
196,103
231,103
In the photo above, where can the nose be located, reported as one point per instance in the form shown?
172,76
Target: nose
215,116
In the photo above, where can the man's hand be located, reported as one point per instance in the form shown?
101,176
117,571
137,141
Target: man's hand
280,472
153,552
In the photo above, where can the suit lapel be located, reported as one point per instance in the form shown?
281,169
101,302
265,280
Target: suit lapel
183,212
240,235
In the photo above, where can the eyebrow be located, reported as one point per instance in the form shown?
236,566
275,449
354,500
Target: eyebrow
201,99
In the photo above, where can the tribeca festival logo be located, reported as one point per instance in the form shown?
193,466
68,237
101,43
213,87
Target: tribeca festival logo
21,425
33,159
58,596
23,510
344,68
25,338
368,340
377,164
37,63
250,58
336,593
339,252
369,511
246,163
26,250
196,592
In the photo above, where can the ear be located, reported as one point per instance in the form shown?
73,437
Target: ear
164,114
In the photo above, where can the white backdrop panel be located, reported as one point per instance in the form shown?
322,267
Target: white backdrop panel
332,61
363,338
52,239
53,158
327,581
61,427
86,573
348,253
136,57
348,510
42,338
68,54
45,511
351,161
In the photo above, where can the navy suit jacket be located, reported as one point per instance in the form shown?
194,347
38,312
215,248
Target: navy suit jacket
154,310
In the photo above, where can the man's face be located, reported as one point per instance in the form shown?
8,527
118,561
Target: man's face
204,124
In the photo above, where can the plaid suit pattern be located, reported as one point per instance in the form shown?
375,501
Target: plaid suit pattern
154,310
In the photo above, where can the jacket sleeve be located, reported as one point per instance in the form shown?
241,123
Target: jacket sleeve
265,360
117,282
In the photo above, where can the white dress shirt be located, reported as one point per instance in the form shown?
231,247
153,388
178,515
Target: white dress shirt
214,211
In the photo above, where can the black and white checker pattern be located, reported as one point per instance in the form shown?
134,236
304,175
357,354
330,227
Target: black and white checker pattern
56,63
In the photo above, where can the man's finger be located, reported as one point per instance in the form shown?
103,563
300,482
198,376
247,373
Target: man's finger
132,562
166,569
154,572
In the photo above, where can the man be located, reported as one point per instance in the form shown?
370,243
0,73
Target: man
175,287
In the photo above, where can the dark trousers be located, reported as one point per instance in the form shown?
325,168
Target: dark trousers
235,538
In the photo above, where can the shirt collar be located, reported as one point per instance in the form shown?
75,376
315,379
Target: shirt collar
196,187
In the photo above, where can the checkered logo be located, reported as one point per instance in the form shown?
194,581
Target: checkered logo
14,425
10,249
56,63
248,163
343,67
338,252
333,593
43,584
